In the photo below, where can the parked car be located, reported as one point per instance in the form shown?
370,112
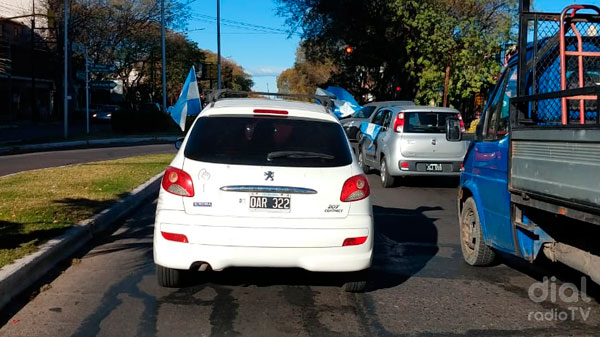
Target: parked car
249,189
352,123
102,112
411,142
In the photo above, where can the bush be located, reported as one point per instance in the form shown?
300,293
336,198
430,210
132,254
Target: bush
148,118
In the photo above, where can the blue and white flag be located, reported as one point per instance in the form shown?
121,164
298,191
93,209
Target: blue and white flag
345,104
370,131
188,102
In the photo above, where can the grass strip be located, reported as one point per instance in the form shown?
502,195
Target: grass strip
36,206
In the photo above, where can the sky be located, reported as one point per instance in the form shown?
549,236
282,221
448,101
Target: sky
265,55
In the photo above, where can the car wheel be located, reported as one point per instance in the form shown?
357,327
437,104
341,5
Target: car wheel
387,180
356,282
170,278
361,163
475,251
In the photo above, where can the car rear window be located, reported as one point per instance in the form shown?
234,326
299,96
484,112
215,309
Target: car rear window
426,122
268,141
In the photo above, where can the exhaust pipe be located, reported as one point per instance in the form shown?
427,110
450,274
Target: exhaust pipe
200,266
575,258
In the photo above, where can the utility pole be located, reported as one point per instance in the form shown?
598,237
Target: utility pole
218,44
87,93
164,58
65,79
34,108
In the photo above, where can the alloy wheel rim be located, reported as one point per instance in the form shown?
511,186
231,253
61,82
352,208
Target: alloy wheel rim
468,229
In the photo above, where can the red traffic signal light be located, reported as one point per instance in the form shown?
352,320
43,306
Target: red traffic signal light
398,88
349,50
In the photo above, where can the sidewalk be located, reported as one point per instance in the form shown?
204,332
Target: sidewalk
28,137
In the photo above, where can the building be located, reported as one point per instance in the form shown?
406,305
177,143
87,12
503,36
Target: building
27,73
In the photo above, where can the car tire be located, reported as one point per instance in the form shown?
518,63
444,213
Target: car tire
356,282
170,278
361,162
387,180
475,251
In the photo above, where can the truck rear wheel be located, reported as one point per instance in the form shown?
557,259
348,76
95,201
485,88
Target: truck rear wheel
474,249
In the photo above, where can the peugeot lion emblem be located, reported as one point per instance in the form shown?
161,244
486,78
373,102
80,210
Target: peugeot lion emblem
269,175
433,141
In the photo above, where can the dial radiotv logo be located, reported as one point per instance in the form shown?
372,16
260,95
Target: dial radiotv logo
567,293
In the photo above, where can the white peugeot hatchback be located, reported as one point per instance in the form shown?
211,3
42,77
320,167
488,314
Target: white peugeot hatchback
264,183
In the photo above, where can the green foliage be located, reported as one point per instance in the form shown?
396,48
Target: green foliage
146,118
305,76
405,43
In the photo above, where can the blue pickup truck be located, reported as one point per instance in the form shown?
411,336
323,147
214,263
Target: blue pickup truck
531,176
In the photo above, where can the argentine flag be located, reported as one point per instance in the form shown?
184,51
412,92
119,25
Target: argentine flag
345,104
188,102
370,131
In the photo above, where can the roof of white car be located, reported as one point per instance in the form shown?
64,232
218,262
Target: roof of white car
248,105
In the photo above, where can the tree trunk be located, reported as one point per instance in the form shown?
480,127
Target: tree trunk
446,84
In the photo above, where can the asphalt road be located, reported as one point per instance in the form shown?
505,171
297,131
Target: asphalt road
38,160
419,287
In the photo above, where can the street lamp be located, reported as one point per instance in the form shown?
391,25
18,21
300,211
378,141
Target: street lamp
164,58
218,44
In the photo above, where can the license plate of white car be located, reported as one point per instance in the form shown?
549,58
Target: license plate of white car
270,202
434,167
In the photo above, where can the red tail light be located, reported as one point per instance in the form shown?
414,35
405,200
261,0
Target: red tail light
354,241
270,111
399,122
178,182
175,237
462,124
355,188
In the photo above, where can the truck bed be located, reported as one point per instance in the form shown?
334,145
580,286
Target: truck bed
558,165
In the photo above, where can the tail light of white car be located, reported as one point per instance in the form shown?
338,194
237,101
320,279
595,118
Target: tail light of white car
178,182
355,188
175,237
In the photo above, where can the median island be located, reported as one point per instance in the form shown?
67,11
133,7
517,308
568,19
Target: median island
36,206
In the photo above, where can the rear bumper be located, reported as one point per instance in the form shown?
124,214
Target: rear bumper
419,168
222,242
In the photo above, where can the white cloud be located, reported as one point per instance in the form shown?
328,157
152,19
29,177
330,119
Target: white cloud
265,71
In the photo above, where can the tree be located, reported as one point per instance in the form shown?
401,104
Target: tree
305,76
233,75
404,43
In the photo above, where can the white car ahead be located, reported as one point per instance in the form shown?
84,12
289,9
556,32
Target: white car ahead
264,183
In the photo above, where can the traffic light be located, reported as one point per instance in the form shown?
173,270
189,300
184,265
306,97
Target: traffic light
397,88
349,50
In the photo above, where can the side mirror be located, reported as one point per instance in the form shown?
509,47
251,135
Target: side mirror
453,133
178,143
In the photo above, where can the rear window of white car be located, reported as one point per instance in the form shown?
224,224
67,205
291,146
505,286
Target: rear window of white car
268,141
425,122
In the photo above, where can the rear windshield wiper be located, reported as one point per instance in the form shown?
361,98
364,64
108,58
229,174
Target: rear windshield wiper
298,154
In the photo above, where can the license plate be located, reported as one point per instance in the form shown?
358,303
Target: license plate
434,167
270,202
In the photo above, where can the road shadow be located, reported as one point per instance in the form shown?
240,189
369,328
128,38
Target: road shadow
405,240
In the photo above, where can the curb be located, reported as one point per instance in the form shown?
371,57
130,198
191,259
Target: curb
23,273
15,149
